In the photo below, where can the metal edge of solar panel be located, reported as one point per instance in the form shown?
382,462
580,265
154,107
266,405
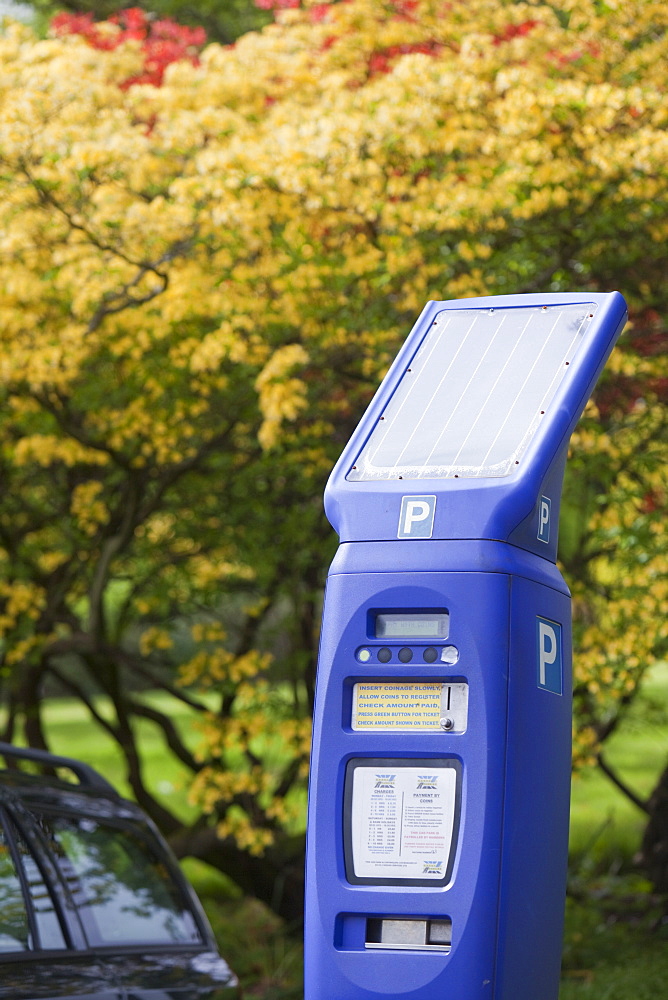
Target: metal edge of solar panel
472,397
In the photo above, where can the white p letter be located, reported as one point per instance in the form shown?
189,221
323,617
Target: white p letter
547,650
417,517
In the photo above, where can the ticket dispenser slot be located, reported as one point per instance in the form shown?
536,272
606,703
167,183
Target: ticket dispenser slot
409,933
440,774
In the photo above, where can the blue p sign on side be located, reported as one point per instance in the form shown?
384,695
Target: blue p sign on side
550,660
544,511
417,517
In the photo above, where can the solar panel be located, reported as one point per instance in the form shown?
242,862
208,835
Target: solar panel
474,394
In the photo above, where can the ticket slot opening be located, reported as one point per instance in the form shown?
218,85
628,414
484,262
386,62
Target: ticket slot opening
409,933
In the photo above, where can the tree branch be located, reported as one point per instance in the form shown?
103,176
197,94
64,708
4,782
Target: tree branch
79,693
169,731
619,783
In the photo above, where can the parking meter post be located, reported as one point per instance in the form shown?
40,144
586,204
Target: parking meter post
439,793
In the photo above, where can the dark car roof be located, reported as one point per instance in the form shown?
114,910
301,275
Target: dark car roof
43,791
90,791
86,775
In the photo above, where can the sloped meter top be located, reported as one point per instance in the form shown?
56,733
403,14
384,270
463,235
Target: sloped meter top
474,394
473,421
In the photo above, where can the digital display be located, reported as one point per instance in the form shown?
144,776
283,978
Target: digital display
412,625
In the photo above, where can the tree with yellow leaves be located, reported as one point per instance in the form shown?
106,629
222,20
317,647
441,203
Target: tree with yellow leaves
201,284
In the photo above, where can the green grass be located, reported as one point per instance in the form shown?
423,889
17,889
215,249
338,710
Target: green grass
268,962
616,937
604,822
253,940
615,944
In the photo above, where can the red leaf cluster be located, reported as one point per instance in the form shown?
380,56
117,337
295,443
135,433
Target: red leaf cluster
649,334
648,337
277,4
381,60
316,13
405,9
319,12
162,41
515,31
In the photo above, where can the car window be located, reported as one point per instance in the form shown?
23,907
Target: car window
49,930
14,928
125,893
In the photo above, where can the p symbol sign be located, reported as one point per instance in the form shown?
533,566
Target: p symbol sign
544,512
417,517
549,654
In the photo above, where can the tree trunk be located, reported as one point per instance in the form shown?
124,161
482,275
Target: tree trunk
655,839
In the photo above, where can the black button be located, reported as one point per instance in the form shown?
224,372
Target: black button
405,654
384,654
430,655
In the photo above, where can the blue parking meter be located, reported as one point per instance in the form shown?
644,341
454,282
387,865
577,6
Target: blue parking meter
439,796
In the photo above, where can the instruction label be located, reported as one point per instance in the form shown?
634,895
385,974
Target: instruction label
402,821
408,705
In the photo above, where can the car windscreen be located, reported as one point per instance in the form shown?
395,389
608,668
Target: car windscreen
123,889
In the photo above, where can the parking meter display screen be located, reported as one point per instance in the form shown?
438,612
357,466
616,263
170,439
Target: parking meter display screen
416,625
474,394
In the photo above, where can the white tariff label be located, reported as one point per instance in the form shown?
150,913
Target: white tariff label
402,821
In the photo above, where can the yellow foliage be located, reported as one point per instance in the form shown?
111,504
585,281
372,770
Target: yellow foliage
45,449
87,507
221,267
247,836
154,639
20,652
208,632
21,599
